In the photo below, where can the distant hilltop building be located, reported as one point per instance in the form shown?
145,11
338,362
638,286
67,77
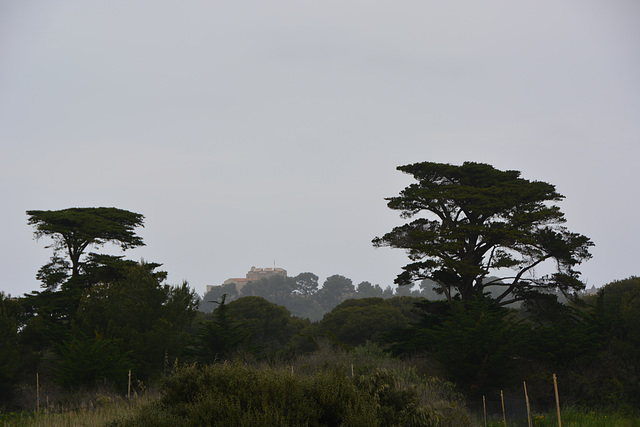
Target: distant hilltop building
591,291
253,275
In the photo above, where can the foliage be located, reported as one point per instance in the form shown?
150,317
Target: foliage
589,346
237,395
618,304
610,378
474,219
300,294
122,303
305,284
356,321
305,306
114,411
272,326
84,362
92,408
234,394
218,337
561,335
407,291
66,279
609,375
367,290
73,230
9,353
370,350
214,295
335,290
588,417
147,317
253,326
477,343
407,306
608,382
574,416
277,289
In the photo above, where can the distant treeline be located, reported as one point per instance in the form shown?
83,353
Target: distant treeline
303,296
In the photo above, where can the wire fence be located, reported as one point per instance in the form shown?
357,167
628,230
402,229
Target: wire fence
515,409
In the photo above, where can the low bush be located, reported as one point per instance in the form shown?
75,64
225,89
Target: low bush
235,394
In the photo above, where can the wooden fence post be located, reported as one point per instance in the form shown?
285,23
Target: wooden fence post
484,408
504,414
526,396
37,392
555,386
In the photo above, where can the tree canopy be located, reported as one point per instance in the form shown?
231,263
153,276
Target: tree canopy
73,230
474,220
356,321
334,290
145,315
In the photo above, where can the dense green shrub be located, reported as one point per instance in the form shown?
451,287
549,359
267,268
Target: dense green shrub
234,394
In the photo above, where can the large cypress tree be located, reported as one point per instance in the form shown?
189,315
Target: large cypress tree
473,221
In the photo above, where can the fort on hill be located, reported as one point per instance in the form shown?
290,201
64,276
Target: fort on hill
253,275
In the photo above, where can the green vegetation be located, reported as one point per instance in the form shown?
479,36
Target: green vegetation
364,386
99,411
287,351
576,417
474,220
9,354
237,395
325,389
356,321
74,230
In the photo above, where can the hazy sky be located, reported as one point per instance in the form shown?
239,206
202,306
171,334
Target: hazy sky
256,132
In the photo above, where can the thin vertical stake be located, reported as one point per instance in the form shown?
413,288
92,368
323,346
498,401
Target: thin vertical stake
352,370
484,407
555,386
129,387
526,396
504,414
38,391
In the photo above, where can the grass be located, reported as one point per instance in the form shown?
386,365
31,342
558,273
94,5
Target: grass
107,411
574,417
104,411
313,383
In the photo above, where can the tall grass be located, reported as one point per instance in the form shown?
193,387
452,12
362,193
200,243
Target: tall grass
575,417
102,412
329,387
326,388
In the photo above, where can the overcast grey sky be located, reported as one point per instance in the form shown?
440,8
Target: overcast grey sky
256,132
